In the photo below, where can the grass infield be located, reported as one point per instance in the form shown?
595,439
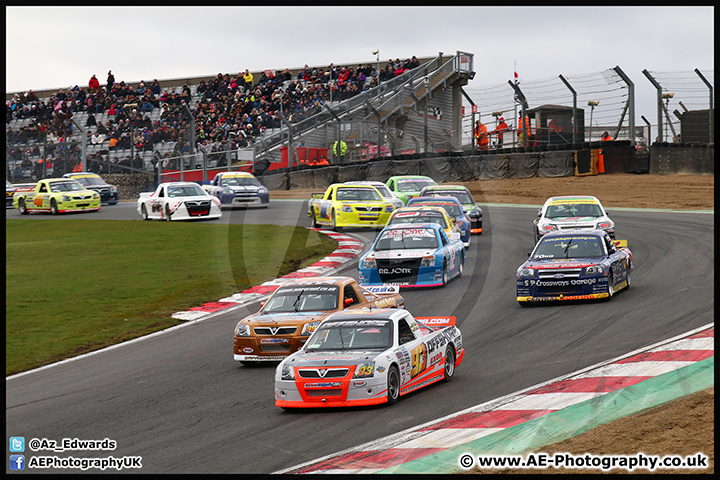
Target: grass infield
74,286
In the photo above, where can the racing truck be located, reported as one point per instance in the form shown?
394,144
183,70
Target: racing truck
294,311
349,205
56,195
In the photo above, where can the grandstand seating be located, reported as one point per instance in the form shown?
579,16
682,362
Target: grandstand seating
299,103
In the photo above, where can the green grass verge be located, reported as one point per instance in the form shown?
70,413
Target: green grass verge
74,286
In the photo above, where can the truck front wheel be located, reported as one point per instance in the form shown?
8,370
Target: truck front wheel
22,207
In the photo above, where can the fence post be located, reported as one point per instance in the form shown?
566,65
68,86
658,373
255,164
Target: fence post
574,95
659,103
630,105
710,105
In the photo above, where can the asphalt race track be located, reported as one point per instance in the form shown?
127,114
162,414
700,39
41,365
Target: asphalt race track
179,401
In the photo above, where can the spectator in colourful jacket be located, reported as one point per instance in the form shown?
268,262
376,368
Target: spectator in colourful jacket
94,83
146,106
248,77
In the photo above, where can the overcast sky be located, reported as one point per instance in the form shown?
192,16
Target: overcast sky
56,47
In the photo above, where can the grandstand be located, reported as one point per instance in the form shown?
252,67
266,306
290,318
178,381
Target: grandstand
289,119
405,107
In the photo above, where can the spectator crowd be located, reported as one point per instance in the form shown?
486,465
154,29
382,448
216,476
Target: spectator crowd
229,112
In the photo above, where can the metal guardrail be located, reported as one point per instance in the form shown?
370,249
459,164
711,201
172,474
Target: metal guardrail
431,80
393,87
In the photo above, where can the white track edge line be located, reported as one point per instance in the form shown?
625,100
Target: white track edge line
167,330
408,432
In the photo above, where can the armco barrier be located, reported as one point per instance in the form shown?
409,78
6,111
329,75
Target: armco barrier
462,170
275,181
478,166
350,173
524,165
302,179
618,158
380,170
671,159
448,168
557,164
326,176
410,167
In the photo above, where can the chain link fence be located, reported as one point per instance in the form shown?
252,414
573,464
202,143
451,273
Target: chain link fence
564,110
604,100
685,106
31,161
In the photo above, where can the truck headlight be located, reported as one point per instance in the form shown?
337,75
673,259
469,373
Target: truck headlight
526,272
228,191
369,262
388,208
287,372
365,370
347,208
594,270
66,198
113,189
604,225
262,190
428,261
309,328
547,228
242,330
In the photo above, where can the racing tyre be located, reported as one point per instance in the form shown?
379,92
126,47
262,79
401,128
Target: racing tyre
53,207
461,267
143,212
611,280
315,224
444,273
393,385
167,213
22,207
449,369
